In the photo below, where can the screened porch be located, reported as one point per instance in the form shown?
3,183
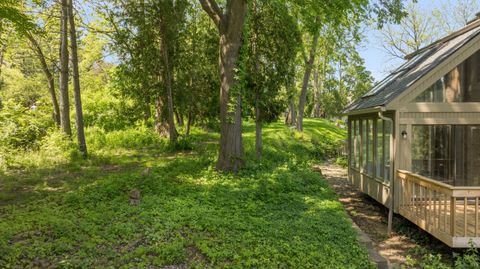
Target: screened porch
441,191
370,158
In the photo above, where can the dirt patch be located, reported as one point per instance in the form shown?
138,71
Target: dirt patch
371,217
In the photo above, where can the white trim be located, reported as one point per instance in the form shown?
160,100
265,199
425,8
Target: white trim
441,107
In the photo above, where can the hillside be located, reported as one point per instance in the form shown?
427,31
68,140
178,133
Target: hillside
276,213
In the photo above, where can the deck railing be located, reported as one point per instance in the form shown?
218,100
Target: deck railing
447,212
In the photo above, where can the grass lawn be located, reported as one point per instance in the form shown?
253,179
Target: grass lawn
276,213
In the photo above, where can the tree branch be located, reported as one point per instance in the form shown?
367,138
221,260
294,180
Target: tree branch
213,11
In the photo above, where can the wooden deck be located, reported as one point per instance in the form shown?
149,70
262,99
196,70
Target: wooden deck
449,213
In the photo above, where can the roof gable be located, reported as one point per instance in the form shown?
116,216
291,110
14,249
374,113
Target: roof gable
418,66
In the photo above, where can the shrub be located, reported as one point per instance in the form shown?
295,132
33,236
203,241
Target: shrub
22,128
470,260
135,137
342,161
55,148
325,148
183,143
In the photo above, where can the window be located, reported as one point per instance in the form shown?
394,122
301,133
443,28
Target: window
370,147
357,144
379,157
351,142
448,153
363,150
387,135
461,84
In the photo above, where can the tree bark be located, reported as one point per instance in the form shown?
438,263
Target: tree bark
2,53
49,76
306,79
64,99
291,118
179,118
160,125
316,95
76,83
189,123
258,128
230,26
168,83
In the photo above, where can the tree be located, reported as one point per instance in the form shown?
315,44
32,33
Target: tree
268,56
306,77
11,11
230,25
415,31
48,75
143,31
64,99
170,14
76,82
197,70
454,14
342,17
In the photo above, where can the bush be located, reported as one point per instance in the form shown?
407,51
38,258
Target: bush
183,143
342,161
53,149
325,148
22,128
135,137
470,260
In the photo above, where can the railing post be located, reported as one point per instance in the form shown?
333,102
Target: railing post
476,216
465,208
452,215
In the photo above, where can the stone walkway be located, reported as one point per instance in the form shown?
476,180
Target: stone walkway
369,216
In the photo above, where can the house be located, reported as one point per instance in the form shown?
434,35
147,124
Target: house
414,139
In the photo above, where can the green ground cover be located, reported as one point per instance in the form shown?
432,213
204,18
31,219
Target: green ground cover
62,212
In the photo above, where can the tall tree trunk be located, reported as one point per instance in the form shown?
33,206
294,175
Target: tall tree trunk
306,79
160,125
49,76
258,128
230,26
168,83
189,123
64,99
291,118
316,95
2,53
76,83
179,118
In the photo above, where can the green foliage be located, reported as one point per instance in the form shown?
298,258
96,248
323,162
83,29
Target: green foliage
54,148
22,127
276,213
11,11
136,137
469,260
267,62
342,161
183,143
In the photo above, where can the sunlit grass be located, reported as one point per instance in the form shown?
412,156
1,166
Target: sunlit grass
276,213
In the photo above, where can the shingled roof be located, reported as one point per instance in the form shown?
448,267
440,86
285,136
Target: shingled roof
418,65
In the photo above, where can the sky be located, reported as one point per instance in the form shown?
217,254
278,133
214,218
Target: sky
376,60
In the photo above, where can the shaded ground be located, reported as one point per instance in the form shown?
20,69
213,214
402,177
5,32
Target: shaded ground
407,240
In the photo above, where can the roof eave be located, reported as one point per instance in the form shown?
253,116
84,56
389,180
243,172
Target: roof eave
364,111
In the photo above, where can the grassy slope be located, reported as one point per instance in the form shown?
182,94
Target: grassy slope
276,213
